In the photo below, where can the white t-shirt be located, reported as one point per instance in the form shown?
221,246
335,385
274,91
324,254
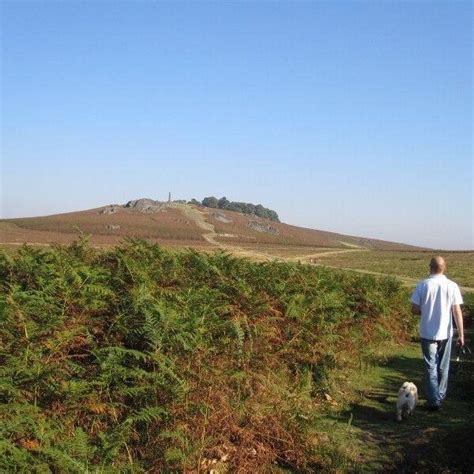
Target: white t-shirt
436,296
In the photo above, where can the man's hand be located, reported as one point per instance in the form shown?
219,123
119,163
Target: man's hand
459,324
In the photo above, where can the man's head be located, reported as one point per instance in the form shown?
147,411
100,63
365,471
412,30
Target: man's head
437,266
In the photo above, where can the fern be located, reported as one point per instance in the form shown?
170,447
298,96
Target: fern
147,415
144,359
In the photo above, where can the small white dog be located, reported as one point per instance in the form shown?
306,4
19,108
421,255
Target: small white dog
407,398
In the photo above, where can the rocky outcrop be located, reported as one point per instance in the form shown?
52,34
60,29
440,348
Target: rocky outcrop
145,205
112,209
221,217
263,227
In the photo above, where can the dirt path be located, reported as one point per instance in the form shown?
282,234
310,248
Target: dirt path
426,442
199,218
326,253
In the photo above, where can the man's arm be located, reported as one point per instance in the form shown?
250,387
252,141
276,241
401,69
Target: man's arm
416,300
457,313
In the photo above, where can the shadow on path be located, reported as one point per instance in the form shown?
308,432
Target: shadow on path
426,441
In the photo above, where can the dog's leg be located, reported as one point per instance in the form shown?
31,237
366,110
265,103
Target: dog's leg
399,414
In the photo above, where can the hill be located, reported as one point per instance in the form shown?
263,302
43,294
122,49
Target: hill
177,224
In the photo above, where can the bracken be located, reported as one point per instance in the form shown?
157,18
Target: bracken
146,359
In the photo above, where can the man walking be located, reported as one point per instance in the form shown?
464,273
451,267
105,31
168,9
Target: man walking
437,299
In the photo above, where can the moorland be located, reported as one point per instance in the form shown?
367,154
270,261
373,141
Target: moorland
215,341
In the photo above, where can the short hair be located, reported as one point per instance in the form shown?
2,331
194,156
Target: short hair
437,264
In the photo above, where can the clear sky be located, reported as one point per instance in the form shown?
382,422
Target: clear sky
353,117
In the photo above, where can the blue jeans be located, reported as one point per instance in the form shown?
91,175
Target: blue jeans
436,356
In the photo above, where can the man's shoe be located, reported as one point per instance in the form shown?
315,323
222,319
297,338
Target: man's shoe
433,407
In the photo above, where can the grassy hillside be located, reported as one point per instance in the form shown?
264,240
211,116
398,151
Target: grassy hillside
175,224
404,264
139,358
252,230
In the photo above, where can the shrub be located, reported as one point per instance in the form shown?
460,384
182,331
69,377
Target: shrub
140,358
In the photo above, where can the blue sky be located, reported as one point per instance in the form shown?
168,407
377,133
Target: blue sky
353,117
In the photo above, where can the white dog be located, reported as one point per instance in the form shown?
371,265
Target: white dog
407,398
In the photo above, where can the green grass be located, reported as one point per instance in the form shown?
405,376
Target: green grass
405,264
424,442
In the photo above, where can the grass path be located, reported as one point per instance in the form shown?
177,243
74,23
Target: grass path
426,442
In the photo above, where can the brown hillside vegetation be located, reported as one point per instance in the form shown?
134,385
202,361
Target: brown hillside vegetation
176,224
168,225
248,229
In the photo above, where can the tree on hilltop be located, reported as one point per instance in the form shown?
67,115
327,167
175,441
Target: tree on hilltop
242,207
223,203
210,201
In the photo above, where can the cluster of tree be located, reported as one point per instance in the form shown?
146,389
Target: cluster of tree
243,207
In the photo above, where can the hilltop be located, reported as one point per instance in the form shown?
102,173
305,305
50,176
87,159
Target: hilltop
242,207
180,224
